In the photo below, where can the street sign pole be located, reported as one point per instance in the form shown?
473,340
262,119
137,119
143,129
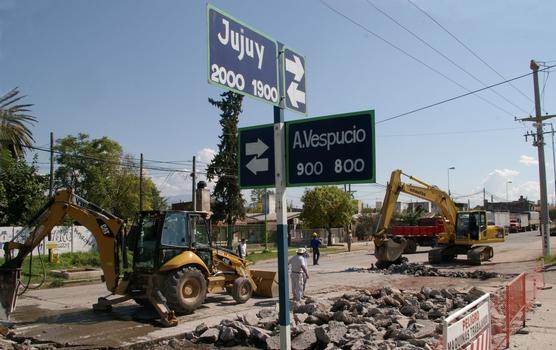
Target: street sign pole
282,226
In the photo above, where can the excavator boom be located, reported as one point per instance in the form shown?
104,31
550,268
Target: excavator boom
472,228
389,249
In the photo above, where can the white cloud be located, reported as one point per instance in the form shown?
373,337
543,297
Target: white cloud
174,184
528,161
498,181
205,155
495,182
499,176
529,190
177,186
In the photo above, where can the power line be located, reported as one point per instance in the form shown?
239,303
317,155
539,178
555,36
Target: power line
443,55
546,77
180,162
410,55
450,132
469,195
460,96
117,163
468,49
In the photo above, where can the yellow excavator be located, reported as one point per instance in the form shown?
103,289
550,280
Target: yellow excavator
175,263
465,232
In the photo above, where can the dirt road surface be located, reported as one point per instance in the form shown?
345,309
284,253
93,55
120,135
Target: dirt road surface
65,316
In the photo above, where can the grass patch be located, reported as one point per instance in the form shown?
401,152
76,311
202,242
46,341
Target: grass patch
550,259
65,261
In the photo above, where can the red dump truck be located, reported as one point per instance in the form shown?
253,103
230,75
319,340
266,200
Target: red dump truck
424,234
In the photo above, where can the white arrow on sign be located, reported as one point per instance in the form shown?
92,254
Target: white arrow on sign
257,165
295,95
257,148
295,67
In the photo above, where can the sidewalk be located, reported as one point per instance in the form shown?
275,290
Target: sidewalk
541,325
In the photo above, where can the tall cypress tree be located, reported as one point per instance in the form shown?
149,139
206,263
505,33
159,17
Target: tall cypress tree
228,201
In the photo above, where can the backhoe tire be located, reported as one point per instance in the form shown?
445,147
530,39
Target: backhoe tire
241,290
185,290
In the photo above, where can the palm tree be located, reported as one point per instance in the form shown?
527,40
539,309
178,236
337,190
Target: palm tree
14,121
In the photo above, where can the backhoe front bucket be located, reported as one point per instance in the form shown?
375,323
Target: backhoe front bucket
267,285
390,251
9,283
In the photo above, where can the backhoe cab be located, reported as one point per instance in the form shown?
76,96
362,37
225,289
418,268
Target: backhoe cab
174,249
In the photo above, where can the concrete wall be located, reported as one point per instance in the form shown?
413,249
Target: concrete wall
70,239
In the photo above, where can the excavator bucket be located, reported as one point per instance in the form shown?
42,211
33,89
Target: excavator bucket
267,285
9,283
390,251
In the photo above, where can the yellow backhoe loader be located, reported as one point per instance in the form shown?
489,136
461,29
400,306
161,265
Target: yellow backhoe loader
175,263
464,231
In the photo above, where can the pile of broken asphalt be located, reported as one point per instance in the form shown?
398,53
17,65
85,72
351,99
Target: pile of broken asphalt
386,318
419,270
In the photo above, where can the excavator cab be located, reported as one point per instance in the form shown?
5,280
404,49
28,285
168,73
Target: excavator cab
472,228
470,225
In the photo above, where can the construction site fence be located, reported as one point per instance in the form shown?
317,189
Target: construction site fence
509,306
511,303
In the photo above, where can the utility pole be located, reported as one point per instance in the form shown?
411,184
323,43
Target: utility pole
141,183
51,190
194,181
538,141
553,160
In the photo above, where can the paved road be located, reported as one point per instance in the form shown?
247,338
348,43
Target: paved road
64,315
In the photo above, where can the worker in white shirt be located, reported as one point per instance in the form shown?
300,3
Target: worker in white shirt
242,249
298,273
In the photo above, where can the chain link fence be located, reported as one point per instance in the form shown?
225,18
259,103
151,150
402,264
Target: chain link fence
257,234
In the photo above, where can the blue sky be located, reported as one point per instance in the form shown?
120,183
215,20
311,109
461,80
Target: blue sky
136,71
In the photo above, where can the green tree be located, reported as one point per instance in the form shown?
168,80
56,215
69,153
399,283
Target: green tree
257,198
552,213
229,205
364,226
98,170
3,205
14,121
409,217
327,207
89,166
22,189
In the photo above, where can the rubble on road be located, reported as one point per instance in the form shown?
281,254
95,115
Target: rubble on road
386,318
422,270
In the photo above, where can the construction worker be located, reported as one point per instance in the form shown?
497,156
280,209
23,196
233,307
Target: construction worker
242,249
298,274
315,245
305,257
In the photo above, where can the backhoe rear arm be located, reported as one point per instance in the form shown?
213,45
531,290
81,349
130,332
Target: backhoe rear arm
105,227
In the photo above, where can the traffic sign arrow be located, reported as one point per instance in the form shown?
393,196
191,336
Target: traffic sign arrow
295,67
295,95
257,165
257,148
